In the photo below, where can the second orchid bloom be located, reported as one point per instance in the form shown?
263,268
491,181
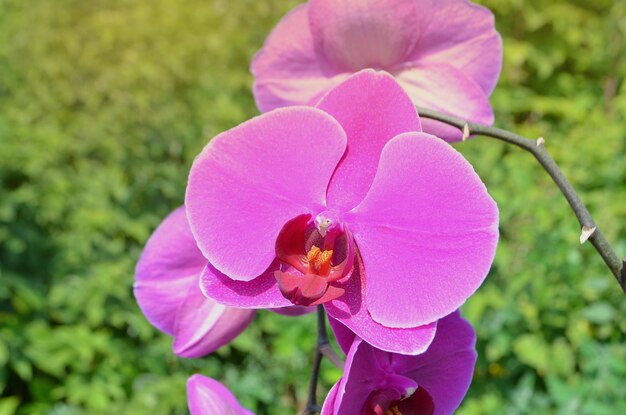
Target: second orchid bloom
445,53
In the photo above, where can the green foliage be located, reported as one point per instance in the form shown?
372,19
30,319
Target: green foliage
103,106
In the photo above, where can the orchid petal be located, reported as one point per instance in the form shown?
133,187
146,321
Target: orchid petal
426,231
170,263
353,385
207,396
461,34
203,325
443,88
368,370
329,403
343,335
287,70
249,181
372,109
262,292
445,370
354,35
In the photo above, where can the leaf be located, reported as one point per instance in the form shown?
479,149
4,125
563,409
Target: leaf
8,406
532,350
599,313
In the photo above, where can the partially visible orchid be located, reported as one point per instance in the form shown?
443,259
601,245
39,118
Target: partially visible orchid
381,383
206,396
167,289
445,53
168,292
348,205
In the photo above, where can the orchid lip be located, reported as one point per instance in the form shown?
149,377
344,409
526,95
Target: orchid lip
316,255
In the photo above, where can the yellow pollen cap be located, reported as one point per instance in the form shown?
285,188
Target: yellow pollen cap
318,259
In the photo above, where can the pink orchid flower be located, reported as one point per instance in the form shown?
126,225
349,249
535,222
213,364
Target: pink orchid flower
206,396
347,205
445,53
381,383
167,288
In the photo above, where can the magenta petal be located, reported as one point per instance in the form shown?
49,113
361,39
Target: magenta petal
445,370
350,311
203,325
446,89
170,263
287,70
329,403
461,34
369,370
207,396
427,232
357,386
372,109
354,35
262,292
343,335
249,181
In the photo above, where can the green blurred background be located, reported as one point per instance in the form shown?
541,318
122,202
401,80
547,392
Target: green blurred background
104,104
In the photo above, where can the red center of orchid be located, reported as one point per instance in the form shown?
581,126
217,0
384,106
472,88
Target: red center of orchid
316,259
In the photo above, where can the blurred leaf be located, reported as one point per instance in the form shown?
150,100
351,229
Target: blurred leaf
599,313
8,406
533,351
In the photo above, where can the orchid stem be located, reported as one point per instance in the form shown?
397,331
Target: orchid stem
590,230
324,349
311,405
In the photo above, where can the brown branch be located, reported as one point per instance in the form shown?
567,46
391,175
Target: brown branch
589,229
